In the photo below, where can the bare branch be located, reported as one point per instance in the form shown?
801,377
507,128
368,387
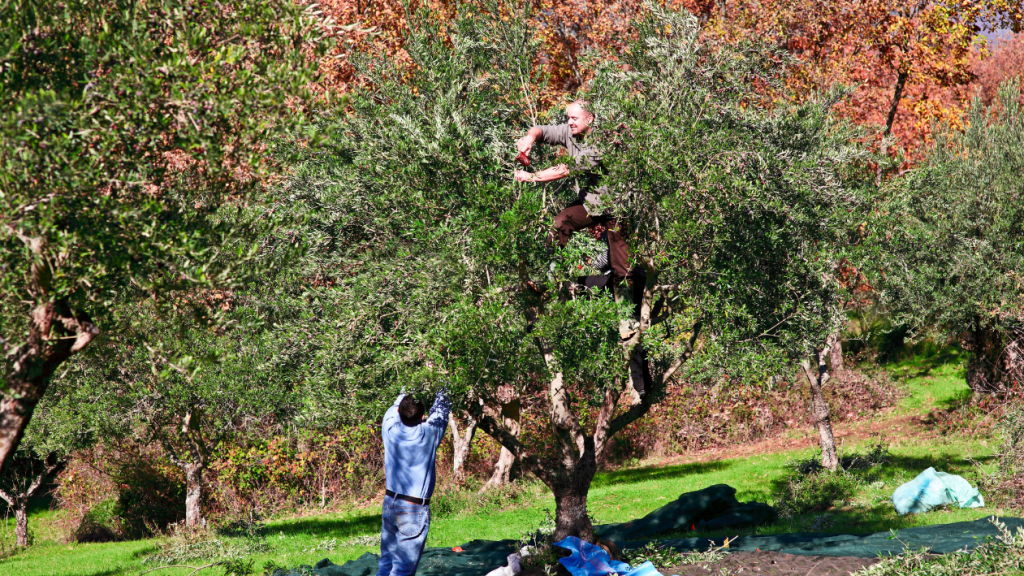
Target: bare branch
496,430
604,417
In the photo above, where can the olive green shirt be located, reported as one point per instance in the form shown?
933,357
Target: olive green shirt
586,168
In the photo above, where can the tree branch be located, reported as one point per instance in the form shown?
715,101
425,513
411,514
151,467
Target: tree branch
504,437
604,416
52,468
638,410
7,497
172,454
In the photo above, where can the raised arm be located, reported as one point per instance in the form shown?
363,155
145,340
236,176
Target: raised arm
438,418
391,417
525,144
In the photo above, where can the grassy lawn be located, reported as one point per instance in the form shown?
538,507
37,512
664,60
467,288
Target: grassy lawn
615,496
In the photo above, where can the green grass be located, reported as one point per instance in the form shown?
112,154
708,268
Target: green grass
615,496
932,381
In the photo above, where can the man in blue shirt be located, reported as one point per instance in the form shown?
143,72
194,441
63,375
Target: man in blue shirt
410,449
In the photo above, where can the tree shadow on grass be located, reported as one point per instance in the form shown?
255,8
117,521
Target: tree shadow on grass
632,475
368,523
865,519
147,551
923,363
906,468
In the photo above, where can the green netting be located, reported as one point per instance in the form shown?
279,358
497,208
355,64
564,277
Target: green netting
479,558
937,539
712,507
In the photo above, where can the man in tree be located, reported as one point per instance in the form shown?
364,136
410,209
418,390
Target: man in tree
410,449
586,211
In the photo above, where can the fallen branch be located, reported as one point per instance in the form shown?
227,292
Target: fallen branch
194,569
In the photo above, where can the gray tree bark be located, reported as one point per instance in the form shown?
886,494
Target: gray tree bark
197,448
835,357
817,376
461,445
21,524
194,494
503,467
55,333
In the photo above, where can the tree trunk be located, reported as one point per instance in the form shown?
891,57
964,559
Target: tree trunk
571,518
461,445
55,333
193,495
835,357
21,522
817,376
901,81
986,345
52,466
502,470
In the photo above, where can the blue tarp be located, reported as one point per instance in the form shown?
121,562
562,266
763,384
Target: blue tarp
931,489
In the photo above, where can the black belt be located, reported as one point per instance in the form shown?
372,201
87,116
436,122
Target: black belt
411,499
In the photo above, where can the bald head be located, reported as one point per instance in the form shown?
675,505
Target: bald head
580,117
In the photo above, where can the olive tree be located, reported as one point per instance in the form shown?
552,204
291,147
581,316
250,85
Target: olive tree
127,129
192,388
737,208
952,237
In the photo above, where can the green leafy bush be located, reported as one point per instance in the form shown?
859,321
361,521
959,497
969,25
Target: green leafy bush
815,491
452,499
660,556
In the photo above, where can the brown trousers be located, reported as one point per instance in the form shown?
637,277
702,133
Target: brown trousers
575,217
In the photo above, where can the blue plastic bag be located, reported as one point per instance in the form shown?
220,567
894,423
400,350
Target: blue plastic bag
932,488
588,559
645,569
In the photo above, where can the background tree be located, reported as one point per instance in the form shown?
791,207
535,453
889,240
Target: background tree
126,130
1005,62
909,61
952,236
200,387
61,425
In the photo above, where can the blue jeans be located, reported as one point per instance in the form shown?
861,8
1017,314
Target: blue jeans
403,533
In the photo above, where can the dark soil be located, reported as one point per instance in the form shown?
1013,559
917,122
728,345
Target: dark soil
776,563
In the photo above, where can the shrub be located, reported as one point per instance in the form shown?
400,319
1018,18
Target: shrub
285,472
120,492
99,524
1005,486
450,500
815,491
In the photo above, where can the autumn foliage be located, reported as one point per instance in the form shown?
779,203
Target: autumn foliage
911,63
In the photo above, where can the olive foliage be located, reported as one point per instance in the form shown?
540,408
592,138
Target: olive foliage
438,264
132,136
953,242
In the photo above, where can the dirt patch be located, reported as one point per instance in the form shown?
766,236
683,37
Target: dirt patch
847,432
776,563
